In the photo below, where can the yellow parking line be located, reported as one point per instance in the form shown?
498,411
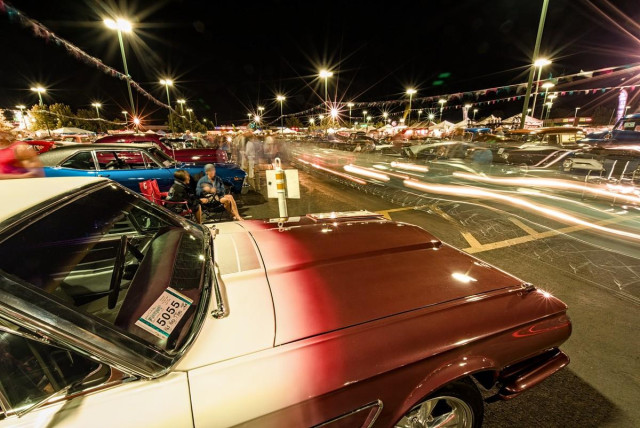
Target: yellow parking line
534,237
386,213
523,226
471,240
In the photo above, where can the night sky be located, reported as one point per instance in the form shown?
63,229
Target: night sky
229,57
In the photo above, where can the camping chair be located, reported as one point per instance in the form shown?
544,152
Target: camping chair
213,212
150,190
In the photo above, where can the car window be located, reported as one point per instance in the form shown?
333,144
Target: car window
76,252
31,370
630,125
81,160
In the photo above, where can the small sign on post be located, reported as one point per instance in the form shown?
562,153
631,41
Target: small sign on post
282,184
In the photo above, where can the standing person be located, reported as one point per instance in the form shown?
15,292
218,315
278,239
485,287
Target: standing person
211,187
17,159
250,152
242,160
181,192
269,147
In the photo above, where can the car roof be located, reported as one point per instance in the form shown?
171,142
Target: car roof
27,192
632,116
52,157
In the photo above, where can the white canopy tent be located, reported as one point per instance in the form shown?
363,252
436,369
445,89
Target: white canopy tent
445,124
72,131
462,124
490,120
529,121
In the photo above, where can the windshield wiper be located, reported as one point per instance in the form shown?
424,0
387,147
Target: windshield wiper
220,310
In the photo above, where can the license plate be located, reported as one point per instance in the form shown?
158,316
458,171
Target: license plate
165,313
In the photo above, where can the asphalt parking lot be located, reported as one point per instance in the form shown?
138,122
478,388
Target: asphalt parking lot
601,386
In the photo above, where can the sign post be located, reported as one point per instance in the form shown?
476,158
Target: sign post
282,184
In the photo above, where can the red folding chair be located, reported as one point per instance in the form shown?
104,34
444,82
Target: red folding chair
150,190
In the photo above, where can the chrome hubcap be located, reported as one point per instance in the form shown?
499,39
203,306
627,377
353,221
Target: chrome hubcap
438,412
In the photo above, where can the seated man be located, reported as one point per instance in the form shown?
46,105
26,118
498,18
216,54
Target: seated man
181,192
210,186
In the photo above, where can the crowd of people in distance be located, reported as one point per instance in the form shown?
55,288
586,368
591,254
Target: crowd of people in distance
209,193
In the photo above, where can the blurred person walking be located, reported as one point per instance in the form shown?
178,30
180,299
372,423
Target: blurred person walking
17,159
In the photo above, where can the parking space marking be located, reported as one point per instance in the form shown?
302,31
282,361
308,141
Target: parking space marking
471,240
536,236
387,215
522,226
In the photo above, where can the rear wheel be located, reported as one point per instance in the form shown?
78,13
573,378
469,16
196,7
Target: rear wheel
458,404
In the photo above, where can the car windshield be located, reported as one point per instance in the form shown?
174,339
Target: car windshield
115,257
161,157
629,125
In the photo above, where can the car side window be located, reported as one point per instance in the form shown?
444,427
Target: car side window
81,160
32,370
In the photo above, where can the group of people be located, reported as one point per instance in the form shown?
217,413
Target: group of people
248,148
209,193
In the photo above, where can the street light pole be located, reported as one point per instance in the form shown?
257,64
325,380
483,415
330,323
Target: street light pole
546,86
125,117
24,121
325,74
410,92
575,117
190,119
536,49
97,106
121,25
442,102
181,102
40,90
167,83
281,99
539,63
350,105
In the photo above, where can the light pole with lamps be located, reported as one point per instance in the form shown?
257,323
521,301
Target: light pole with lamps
364,115
325,74
40,90
97,107
121,25
125,117
538,63
350,105
334,114
419,114
281,99
410,92
431,117
575,117
167,83
475,110
385,115
546,86
190,120
181,102
24,121
442,102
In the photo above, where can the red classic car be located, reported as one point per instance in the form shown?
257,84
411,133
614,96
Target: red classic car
193,155
113,309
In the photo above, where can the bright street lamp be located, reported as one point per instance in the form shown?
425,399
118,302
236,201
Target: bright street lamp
410,92
312,121
442,102
136,122
541,62
549,105
419,114
21,108
281,99
124,112
431,116
325,74
97,107
350,105
256,118
546,86
40,90
166,83
181,102
385,115
364,115
189,111
121,25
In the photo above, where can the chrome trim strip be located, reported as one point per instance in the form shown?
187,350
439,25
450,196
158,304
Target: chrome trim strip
369,421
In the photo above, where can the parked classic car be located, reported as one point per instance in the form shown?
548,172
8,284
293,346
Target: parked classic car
546,146
115,312
129,164
625,131
193,155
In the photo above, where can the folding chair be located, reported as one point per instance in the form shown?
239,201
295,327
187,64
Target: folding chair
150,190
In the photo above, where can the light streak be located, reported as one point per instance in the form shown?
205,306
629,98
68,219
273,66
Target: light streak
366,172
409,166
473,192
555,184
